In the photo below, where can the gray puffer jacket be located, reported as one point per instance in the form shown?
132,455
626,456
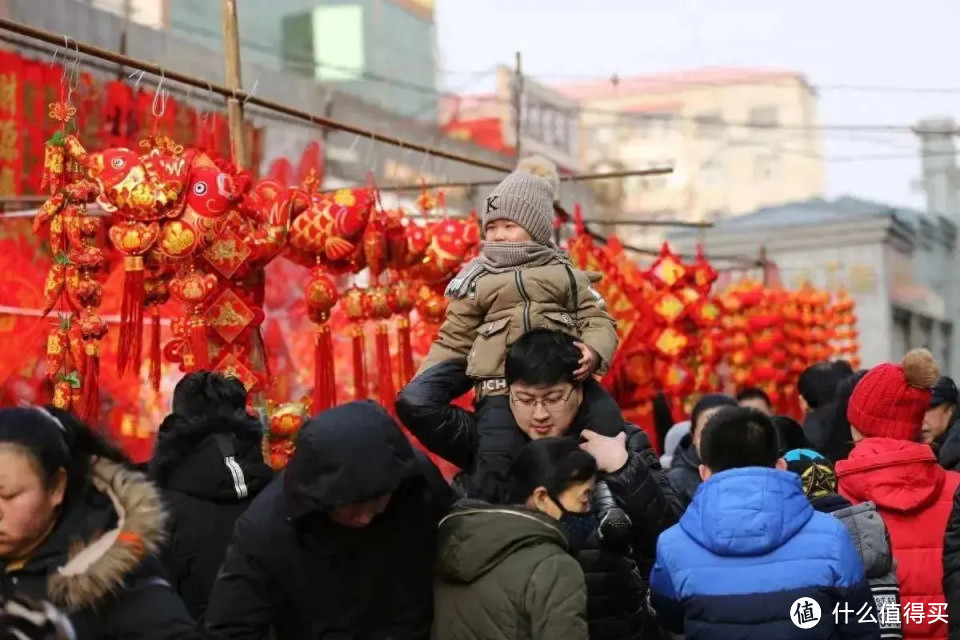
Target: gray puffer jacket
872,541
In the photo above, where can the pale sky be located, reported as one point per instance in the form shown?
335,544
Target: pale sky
835,43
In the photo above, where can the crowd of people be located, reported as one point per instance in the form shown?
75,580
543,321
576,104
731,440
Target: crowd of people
562,524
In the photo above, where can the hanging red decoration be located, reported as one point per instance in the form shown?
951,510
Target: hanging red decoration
321,295
355,306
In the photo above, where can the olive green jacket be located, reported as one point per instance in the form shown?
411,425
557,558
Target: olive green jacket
500,307
506,573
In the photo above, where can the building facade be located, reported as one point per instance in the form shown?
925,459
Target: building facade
895,263
383,51
549,121
737,139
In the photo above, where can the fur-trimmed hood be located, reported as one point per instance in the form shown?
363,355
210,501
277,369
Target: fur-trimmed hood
98,565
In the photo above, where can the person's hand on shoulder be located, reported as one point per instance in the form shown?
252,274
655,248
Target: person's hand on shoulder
610,453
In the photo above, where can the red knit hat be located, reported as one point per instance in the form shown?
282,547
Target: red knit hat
889,402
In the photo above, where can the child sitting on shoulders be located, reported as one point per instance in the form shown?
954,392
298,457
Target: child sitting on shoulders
520,281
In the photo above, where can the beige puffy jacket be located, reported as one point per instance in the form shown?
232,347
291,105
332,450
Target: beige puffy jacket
500,307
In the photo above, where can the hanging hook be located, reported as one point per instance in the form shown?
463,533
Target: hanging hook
71,70
372,160
423,163
159,95
139,75
252,92
353,145
204,118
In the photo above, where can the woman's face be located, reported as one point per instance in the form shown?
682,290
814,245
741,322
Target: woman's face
935,422
27,505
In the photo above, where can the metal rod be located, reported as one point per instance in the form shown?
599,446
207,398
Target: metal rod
489,183
176,76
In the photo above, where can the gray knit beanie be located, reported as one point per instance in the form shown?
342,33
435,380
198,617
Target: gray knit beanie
526,197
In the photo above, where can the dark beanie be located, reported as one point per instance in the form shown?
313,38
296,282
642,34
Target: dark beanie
944,392
816,473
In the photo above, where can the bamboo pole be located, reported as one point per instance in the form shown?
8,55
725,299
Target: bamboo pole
231,52
175,76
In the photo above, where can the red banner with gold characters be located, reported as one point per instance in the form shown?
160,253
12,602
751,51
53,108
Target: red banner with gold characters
11,123
108,114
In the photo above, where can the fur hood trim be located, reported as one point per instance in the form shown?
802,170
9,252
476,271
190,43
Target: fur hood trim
98,567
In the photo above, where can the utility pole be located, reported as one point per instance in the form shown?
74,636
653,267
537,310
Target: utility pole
231,50
518,102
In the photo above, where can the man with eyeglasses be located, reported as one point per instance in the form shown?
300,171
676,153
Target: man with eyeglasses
547,401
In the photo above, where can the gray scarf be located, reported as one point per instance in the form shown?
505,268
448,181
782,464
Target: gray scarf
503,257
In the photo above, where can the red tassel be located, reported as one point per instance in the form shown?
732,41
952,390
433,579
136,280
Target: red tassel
359,366
90,400
324,385
198,343
130,346
384,368
155,353
406,350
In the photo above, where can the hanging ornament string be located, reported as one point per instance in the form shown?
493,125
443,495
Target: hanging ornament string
159,106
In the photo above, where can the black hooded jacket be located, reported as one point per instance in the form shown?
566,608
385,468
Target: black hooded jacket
209,470
290,568
684,471
947,446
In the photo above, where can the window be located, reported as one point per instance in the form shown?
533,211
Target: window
764,117
653,124
709,125
765,166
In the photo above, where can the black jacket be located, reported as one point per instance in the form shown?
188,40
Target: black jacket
108,592
684,471
615,578
289,567
205,489
951,567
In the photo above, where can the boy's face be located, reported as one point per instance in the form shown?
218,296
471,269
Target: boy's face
505,231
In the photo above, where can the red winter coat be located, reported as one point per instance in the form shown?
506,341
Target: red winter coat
914,495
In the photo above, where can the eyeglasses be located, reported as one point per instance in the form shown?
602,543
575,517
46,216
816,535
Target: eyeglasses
550,405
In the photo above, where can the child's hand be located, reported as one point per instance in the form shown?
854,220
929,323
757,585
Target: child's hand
587,363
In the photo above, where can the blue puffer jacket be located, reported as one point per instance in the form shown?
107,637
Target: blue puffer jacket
748,547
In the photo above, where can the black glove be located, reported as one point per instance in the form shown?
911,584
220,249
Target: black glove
615,527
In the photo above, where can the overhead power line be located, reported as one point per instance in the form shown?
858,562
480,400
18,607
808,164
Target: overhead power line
176,76
305,61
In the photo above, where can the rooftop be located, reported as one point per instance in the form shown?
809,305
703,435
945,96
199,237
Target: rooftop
818,211
678,81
